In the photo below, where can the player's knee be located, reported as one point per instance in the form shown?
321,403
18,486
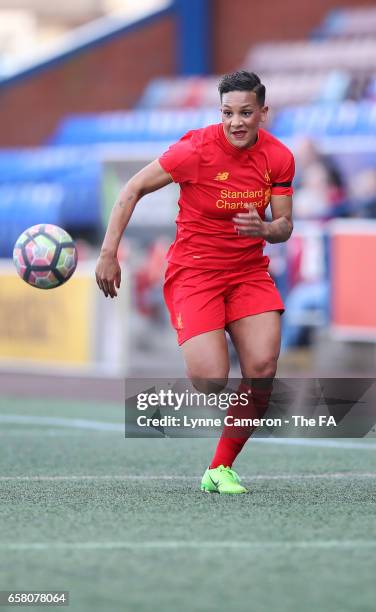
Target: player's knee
209,381
205,385
262,368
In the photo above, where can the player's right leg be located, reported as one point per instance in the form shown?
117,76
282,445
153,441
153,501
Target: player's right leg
195,300
207,364
256,336
207,361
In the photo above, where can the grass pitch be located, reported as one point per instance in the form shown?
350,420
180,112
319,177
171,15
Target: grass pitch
122,524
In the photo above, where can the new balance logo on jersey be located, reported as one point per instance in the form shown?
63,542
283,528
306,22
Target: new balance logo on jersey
222,176
179,321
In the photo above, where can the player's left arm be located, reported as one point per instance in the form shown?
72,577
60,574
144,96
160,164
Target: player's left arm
281,226
277,230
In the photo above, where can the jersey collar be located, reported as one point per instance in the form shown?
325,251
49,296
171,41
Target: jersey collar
238,151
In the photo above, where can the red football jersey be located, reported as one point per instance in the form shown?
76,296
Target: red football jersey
216,181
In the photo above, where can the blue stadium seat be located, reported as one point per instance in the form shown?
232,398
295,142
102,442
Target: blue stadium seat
347,119
48,185
132,126
24,205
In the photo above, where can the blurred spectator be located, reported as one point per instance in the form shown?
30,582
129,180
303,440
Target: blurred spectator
363,193
149,280
320,191
308,299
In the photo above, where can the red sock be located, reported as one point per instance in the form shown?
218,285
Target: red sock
228,446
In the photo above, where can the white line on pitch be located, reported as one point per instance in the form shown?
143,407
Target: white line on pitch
118,427
182,544
125,477
46,431
318,442
62,422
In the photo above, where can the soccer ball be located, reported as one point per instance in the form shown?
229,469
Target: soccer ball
45,256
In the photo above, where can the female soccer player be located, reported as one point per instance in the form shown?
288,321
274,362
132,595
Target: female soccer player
217,277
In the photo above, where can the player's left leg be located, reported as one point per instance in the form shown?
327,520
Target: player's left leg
257,341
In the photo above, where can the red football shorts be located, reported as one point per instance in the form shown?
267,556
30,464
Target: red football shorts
200,301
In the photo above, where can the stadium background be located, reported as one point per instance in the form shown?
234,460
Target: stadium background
89,93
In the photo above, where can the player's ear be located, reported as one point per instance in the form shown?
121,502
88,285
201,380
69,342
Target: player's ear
264,113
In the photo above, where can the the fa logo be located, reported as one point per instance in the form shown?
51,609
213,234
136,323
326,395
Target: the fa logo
222,176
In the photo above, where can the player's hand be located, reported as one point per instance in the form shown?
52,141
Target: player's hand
250,223
108,275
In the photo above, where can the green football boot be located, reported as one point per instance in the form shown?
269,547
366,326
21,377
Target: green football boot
222,480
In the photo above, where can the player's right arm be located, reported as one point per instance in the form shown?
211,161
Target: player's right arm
150,178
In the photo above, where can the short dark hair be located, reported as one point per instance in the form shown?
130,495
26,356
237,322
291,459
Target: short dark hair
242,81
